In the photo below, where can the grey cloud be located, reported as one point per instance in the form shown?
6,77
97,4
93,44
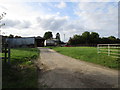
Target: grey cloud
16,24
99,17
10,23
60,25
74,26
25,24
51,23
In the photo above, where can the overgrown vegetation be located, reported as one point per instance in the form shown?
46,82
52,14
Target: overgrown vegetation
88,54
22,72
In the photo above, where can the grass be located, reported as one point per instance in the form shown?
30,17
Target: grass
89,54
21,73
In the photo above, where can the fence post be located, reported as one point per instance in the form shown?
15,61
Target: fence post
8,53
108,50
98,48
5,52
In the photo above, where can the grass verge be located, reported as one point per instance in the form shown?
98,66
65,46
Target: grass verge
89,54
21,73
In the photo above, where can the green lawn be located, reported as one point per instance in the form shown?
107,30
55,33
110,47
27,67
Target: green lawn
22,72
88,54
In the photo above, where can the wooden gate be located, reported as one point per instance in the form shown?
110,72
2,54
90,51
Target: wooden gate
5,51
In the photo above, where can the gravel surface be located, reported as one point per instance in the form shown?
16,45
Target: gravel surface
59,71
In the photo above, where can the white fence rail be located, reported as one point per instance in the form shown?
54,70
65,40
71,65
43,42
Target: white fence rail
110,49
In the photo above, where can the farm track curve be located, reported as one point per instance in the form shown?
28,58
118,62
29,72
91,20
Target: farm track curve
60,71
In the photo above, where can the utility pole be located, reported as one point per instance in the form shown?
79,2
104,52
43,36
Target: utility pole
64,37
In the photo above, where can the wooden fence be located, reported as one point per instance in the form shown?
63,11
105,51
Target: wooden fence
109,49
6,51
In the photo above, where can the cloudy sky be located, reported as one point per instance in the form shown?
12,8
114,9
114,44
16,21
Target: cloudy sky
35,18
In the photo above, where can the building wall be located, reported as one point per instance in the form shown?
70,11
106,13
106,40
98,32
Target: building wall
19,42
39,42
50,43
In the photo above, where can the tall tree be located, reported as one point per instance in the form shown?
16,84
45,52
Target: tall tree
18,36
48,35
1,17
94,37
58,36
112,39
11,36
86,37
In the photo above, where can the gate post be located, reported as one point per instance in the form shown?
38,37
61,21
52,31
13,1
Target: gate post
8,52
98,48
5,58
108,50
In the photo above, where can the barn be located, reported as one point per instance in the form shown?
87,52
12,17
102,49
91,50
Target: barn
39,41
26,42
21,42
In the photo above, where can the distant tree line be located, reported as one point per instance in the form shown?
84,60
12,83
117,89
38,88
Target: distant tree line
12,36
92,38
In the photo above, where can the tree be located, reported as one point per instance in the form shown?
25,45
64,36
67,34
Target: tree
105,40
17,36
94,37
1,17
117,40
86,37
70,41
58,36
48,35
11,36
112,39
77,39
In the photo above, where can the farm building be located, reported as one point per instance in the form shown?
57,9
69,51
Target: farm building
21,42
26,42
51,42
39,41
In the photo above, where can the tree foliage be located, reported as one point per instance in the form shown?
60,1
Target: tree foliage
92,38
58,36
86,36
1,17
11,36
48,35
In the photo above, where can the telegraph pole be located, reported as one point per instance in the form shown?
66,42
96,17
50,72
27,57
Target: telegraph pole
64,37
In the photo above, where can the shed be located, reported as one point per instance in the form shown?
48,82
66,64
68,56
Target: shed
51,42
21,42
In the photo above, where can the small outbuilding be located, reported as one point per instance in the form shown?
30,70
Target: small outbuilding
51,42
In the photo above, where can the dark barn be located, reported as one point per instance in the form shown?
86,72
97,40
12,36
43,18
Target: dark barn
39,41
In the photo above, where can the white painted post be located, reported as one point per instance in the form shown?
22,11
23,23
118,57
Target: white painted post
98,48
108,50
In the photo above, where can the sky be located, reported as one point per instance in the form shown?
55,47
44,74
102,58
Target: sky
29,19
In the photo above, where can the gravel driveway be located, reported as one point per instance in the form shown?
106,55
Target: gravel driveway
59,71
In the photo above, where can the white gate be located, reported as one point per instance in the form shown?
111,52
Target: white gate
109,49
